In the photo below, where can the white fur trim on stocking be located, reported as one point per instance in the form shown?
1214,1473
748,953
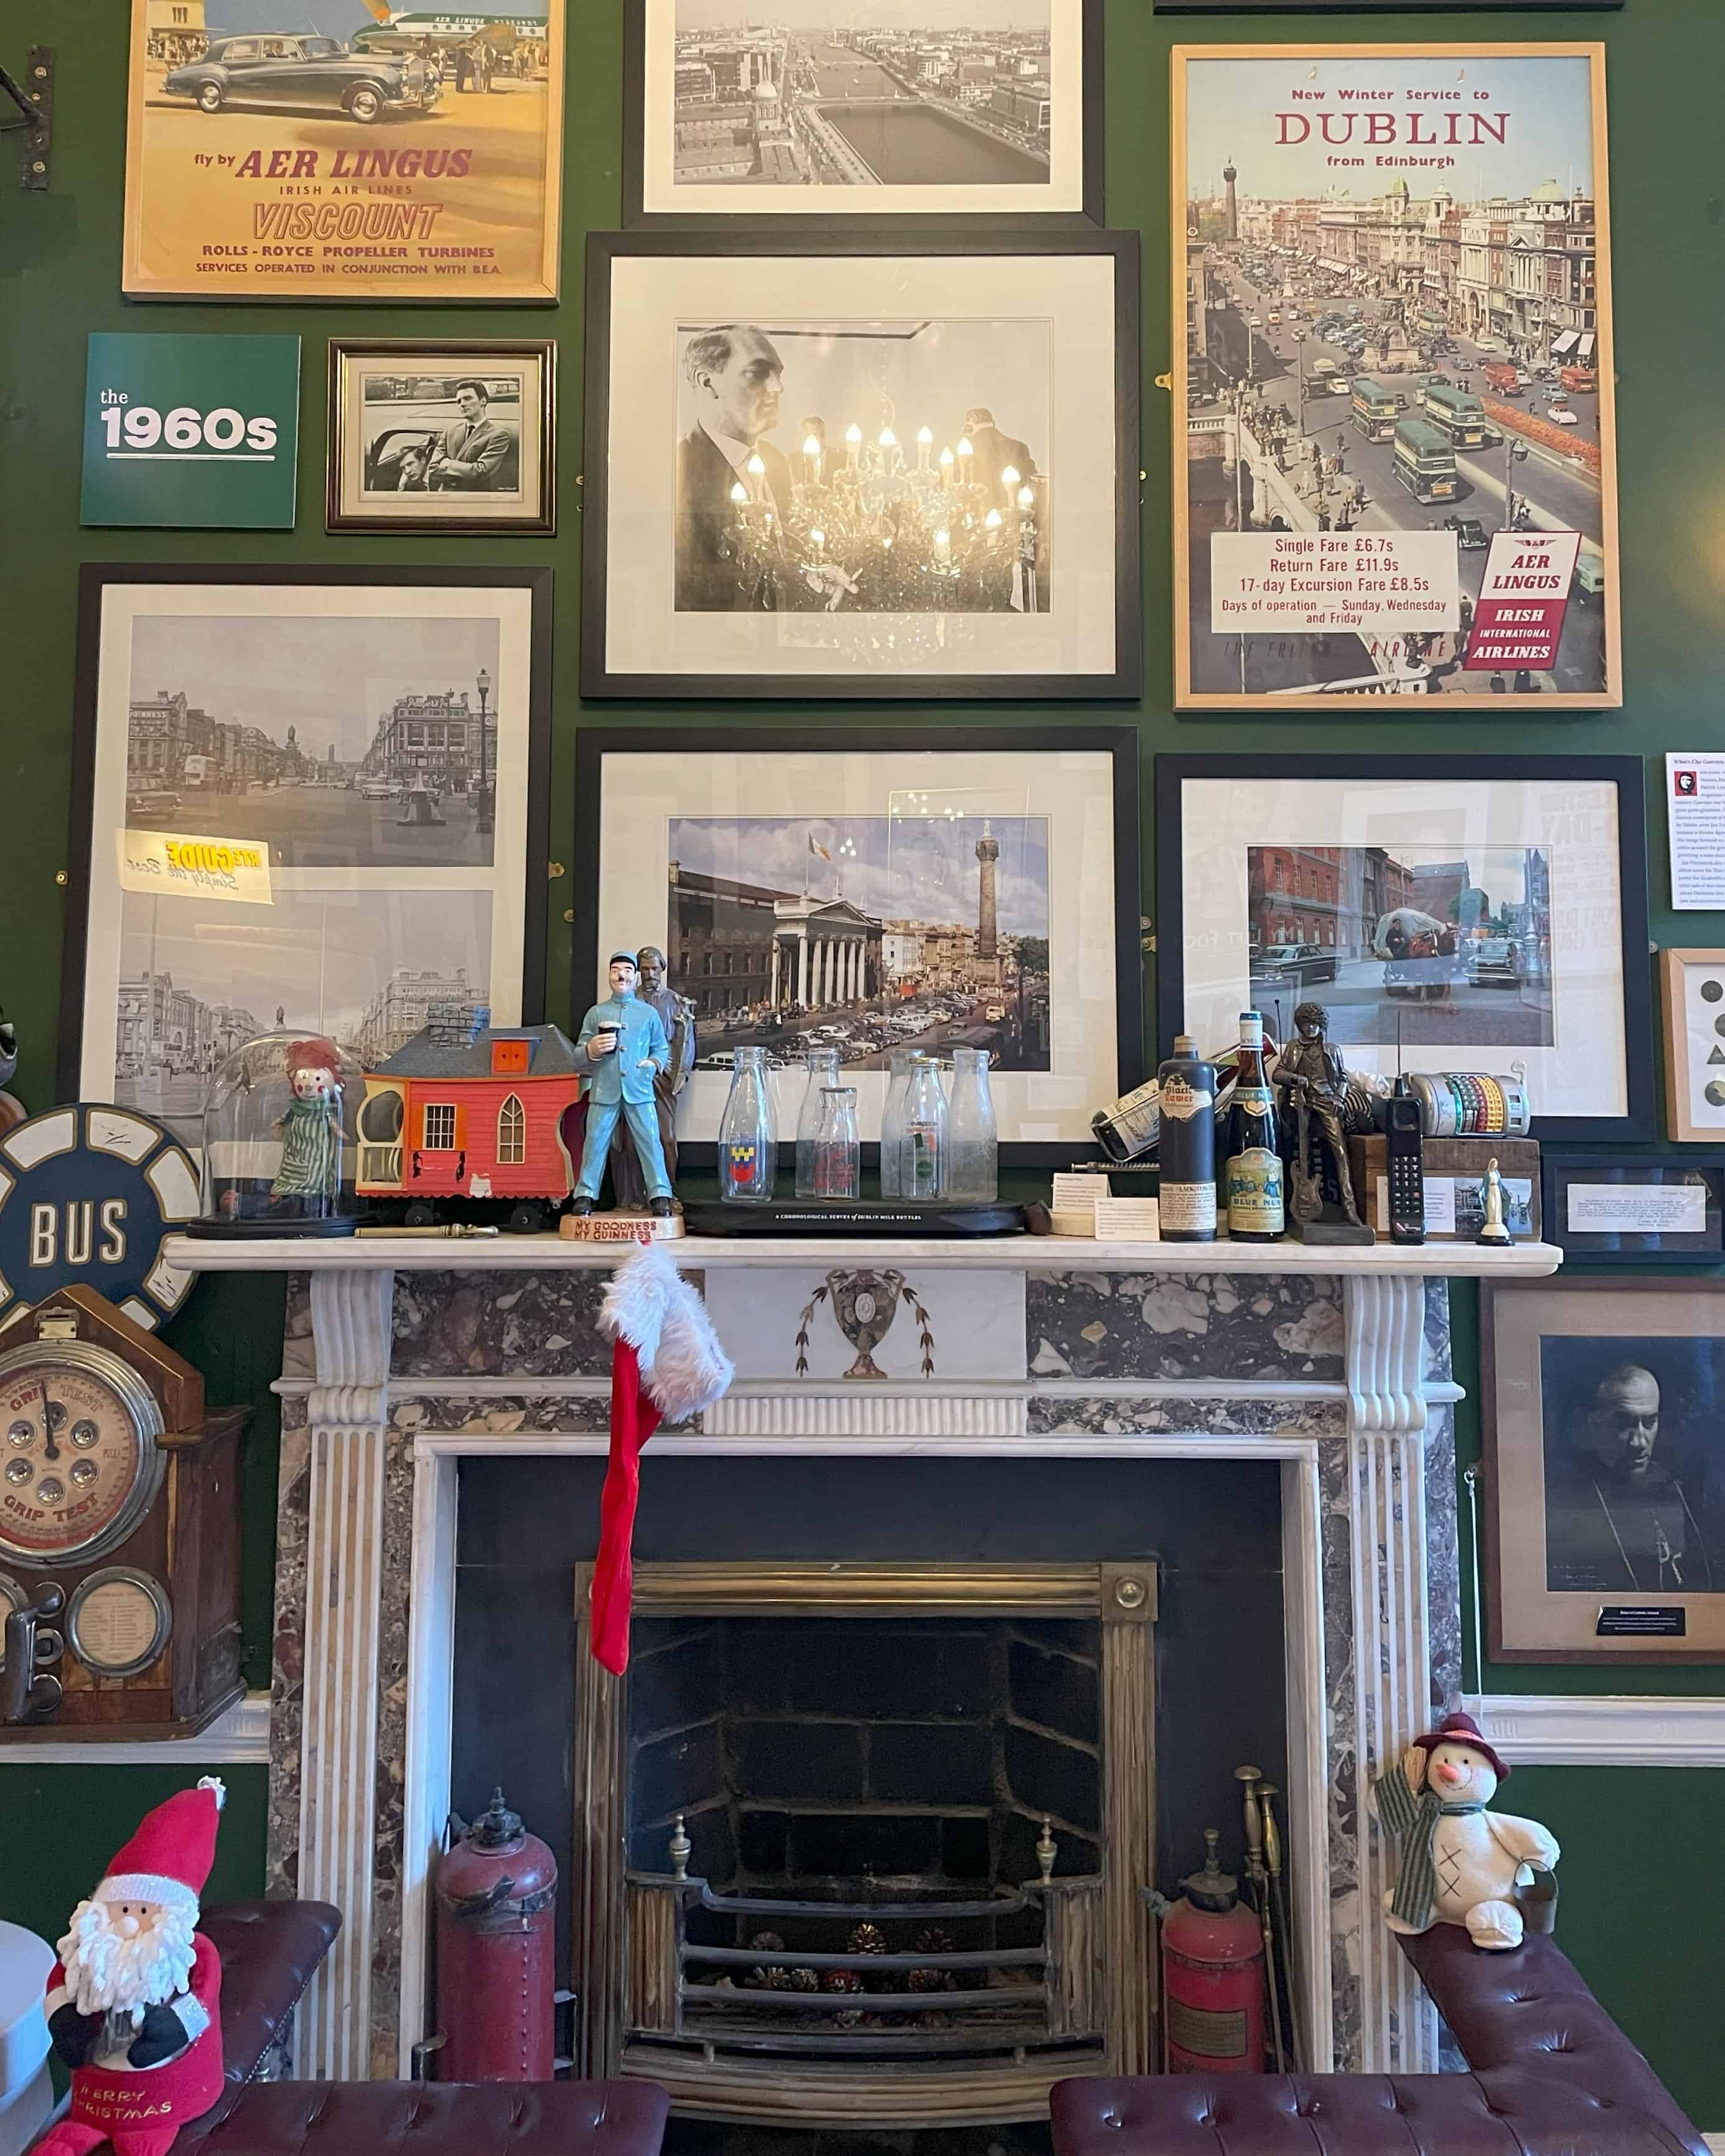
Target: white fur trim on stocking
651,1307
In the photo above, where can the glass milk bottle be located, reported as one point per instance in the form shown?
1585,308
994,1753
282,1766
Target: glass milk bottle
748,1141
972,1137
892,1122
922,1149
836,1166
822,1072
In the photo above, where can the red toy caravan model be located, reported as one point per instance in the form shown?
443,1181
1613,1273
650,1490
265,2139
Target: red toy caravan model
462,1111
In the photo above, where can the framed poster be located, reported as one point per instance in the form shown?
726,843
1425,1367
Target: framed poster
190,432
1605,1469
1612,1209
1450,912
992,110
953,887
304,798
456,434
1395,445
813,467
351,152
1693,997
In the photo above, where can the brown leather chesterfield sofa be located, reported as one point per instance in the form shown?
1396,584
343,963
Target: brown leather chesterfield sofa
1551,2074
270,1951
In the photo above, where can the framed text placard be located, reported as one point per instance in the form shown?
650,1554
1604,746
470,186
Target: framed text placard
1394,464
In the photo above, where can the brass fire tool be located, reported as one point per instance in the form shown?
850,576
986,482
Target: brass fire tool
1267,1791
1249,1778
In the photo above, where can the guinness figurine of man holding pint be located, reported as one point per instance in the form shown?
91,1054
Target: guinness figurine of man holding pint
623,1042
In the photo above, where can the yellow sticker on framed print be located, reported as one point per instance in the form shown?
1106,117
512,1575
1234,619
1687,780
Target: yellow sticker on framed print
344,149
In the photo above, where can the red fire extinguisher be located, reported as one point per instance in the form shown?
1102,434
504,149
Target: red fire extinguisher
496,1935
1212,1976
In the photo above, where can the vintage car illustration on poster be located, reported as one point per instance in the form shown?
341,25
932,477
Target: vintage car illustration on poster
296,74
1395,467
345,149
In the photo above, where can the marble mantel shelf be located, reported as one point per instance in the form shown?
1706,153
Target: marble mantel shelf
1065,1254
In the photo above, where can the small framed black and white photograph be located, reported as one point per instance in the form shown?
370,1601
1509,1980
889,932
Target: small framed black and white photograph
456,435
1613,1208
957,887
1604,1470
1451,913
816,467
305,798
961,108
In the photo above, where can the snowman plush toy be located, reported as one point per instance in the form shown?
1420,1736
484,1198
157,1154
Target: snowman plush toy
1460,1862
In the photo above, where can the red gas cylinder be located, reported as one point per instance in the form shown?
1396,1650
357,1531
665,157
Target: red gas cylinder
1213,1976
495,1937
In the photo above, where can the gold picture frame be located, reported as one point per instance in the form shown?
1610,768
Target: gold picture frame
1263,622
1605,1504
364,161
442,435
1693,1021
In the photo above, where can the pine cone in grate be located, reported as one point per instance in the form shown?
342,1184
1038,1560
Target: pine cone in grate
932,1980
841,1979
803,1980
933,1939
866,1939
769,1980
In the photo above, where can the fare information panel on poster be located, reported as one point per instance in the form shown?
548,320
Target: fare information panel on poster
1265,581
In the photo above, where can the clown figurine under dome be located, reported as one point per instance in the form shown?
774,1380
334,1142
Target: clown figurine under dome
310,1128
1460,1862
133,2001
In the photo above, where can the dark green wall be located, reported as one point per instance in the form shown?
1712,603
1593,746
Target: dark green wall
1639,1936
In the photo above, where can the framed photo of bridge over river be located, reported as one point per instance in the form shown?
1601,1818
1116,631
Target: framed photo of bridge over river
947,108
1395,437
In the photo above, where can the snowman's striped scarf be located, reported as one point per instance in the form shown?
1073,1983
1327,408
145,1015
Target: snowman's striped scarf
1414,1818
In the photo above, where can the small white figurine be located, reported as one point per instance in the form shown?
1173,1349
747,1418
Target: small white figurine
1460,1862
1494,1230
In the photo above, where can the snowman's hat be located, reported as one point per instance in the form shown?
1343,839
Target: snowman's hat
1462,1729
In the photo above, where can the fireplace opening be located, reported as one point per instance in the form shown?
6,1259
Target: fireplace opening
886,1863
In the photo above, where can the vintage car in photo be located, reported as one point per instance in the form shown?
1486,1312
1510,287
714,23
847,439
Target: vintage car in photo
291,73
1294,963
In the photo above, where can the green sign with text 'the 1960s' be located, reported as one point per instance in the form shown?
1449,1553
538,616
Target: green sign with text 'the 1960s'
192,430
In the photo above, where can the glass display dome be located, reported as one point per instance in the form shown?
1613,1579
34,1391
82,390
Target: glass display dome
278,1139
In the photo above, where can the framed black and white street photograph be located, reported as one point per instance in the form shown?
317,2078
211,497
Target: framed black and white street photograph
1605,1404
960,892
307,799
453,436
815,469
1451,913
1614,1208
948,109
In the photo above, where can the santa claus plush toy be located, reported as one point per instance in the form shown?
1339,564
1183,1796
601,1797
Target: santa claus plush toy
132,2004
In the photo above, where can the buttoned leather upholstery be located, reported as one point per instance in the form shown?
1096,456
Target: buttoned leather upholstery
269,1951
1552,2075
435,2118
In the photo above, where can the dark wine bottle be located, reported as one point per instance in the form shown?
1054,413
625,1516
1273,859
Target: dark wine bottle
1253,1175
1186,1090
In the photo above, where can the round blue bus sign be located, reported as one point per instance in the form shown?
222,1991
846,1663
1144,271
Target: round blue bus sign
89,1195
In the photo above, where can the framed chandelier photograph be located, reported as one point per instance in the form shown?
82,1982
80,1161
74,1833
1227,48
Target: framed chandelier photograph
949,887
813,467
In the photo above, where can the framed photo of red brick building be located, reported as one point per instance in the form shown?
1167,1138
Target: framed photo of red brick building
1394,439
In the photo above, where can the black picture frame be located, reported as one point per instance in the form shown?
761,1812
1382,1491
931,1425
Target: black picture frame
637,217
94,577
1617,1249
1639,1119
1124,681
593,744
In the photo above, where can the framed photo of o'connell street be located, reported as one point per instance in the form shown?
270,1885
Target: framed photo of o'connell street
1394,439
344,149
304,798
947,108
818,466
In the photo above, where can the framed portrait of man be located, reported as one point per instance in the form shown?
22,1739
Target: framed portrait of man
451,435
816,466
1605,1467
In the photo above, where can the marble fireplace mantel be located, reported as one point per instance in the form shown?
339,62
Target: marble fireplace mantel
406,1354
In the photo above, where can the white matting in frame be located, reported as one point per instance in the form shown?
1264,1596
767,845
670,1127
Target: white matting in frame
340,934
1006,318
827,801
848,134
1328,853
